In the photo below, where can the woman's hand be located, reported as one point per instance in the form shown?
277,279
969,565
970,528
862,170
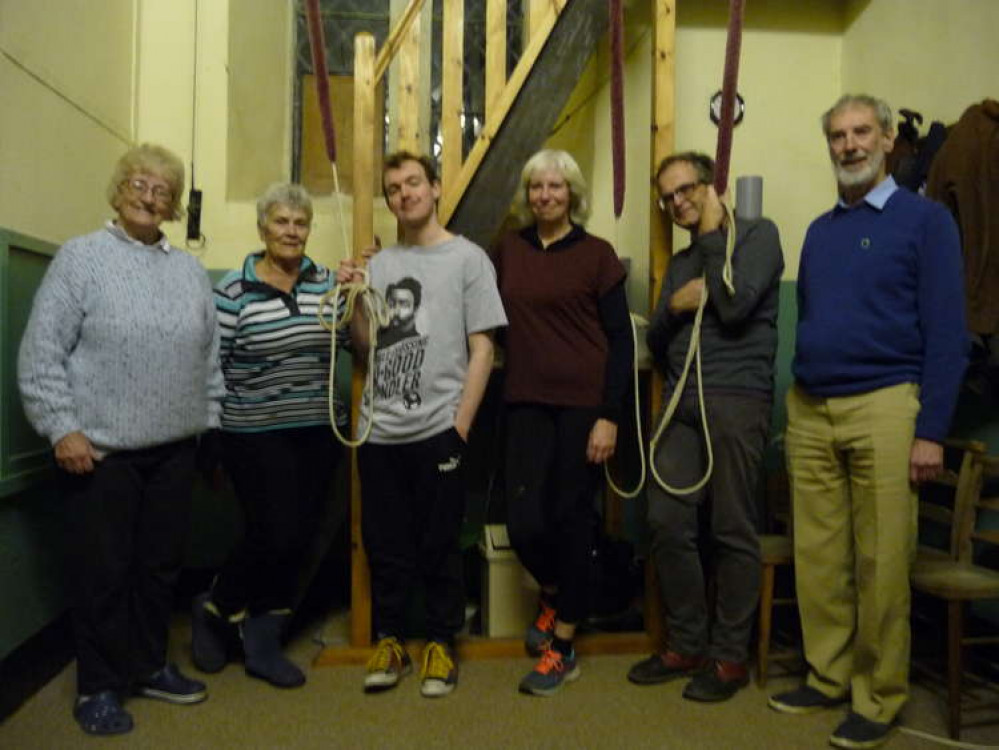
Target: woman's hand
75,453
603,438
349,271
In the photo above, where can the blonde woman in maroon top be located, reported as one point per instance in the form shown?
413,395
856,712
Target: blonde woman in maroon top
568,358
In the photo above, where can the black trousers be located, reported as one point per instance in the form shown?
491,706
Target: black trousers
739,426
550,499
129,520
413,498
282,480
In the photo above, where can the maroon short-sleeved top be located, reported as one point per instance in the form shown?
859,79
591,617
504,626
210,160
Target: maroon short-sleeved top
556,349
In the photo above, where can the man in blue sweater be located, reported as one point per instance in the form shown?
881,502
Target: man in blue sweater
881,350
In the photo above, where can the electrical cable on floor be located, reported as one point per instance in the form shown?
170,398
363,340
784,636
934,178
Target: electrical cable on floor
946,741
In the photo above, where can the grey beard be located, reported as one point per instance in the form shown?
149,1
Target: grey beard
848,179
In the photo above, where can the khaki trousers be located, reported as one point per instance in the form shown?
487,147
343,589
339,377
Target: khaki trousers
855,518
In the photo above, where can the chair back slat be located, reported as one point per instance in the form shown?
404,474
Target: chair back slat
947,502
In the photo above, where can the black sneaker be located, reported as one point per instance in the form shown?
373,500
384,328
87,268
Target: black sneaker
803,700
102,714
718,683
169,685
660,668
857,733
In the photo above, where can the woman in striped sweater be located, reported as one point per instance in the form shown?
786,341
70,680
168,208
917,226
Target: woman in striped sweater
277,446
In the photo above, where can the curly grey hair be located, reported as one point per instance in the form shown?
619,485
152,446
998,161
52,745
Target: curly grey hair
288,194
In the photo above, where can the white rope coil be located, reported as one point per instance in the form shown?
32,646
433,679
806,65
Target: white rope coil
376,311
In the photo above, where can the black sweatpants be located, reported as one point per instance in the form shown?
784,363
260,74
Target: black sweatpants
550,490
282,481
413,497
129,520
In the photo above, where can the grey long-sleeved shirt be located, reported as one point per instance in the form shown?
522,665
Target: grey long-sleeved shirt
738,332
122,345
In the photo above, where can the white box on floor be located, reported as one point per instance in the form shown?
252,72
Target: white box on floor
509,593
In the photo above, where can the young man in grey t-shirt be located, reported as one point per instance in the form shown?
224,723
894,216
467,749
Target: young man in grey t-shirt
432,362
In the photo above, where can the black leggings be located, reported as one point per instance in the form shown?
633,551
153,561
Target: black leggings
550,499
282,480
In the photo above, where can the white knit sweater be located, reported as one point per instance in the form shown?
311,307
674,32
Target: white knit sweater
122,345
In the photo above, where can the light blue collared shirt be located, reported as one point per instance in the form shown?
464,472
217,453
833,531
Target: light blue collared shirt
878,195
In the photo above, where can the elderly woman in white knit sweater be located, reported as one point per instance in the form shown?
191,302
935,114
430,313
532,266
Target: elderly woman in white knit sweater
118,368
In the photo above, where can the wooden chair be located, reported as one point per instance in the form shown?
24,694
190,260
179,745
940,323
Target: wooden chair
951,575
775,550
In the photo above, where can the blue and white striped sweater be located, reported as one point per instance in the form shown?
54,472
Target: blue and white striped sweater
275,354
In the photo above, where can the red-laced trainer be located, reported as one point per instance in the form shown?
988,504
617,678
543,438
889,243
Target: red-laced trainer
550,673
540,632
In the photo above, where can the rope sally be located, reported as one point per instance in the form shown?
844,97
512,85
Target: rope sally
373,302
722,161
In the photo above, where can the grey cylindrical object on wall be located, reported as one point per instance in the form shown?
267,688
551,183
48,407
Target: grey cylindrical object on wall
749,197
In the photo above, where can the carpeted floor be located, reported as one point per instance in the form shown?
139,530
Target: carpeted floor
600,710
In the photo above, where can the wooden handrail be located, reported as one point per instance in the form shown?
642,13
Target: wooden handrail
454,192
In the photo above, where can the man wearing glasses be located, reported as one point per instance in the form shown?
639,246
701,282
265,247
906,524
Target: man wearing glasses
738,339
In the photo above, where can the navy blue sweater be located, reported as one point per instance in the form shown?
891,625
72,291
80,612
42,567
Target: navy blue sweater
881,302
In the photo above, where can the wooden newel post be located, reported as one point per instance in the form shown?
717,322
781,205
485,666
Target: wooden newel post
363,224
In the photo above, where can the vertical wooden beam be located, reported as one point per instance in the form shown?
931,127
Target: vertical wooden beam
663,134
495,53
363,223
660,231
452,74
407,110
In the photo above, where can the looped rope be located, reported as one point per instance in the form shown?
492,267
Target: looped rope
376,310
628,494
694,354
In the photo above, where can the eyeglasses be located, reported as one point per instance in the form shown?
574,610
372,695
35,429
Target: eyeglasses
140,187
684,191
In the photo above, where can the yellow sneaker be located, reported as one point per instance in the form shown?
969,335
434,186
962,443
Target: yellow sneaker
439,672
387,666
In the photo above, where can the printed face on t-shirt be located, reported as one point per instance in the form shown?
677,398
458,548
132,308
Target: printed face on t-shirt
402,309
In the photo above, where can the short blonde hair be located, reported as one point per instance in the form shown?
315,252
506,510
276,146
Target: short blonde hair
288,194
563,163
148,158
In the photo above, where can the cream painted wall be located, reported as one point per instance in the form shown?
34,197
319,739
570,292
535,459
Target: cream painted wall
936,58
166,32
67,113
790,72
261,69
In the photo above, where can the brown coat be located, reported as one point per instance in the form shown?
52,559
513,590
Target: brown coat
965,177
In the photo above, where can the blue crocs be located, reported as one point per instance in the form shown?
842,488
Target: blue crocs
102,714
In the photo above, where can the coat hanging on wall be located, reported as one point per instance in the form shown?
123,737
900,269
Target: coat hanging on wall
965,178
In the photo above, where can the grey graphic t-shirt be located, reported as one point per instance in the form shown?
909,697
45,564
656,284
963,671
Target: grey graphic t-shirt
437,296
